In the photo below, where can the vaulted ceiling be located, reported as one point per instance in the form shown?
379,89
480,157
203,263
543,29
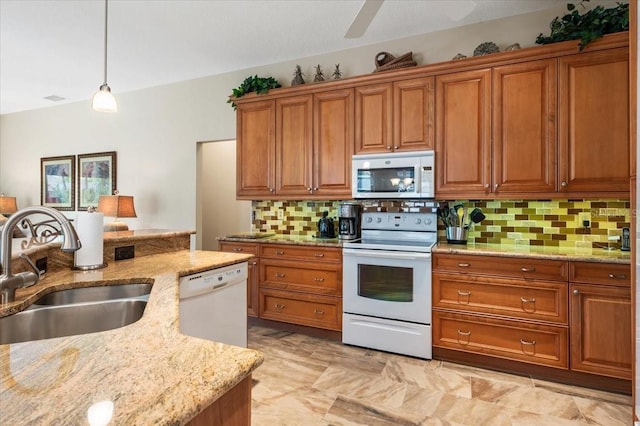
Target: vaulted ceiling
56,47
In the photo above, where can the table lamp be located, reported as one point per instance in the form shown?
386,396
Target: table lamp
8,206
118,206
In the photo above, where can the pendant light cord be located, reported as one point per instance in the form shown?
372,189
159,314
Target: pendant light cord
106,14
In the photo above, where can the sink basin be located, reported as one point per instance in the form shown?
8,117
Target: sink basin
45,322
94,294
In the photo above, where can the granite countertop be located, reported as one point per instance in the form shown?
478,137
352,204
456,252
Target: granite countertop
555,253
153,374
271,238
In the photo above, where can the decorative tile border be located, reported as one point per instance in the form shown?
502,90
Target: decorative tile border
540,223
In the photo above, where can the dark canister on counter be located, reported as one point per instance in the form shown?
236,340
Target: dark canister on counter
325,226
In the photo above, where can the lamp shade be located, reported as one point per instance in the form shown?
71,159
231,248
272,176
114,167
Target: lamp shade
104,101
8,205
117,206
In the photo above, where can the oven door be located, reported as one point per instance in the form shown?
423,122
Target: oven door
387,284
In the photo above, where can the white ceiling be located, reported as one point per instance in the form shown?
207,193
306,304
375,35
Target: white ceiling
55,47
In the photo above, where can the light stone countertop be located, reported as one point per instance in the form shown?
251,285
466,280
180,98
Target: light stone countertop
153,374
554,253
306,240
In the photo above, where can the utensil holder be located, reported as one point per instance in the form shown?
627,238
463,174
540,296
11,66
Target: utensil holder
456,235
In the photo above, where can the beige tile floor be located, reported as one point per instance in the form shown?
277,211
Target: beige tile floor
310,381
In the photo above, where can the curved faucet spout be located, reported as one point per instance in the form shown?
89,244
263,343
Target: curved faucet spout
9,282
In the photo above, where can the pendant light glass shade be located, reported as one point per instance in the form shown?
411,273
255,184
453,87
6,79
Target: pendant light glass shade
103,99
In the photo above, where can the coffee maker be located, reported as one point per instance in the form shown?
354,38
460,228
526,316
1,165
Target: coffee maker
349,221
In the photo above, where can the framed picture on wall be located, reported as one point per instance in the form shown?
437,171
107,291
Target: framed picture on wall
58,182
96,177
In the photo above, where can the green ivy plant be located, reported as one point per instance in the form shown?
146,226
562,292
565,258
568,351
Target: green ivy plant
589,26
260,85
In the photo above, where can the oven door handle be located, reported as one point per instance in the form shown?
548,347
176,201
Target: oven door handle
386,254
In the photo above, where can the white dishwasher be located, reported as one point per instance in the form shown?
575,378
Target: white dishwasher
213,305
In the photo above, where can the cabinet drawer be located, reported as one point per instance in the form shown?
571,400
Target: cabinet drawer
312,277
539,300
299,308
508,267
536,344
298,252
601,273
247,248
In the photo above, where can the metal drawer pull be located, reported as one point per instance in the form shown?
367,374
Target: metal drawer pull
523,269
279,275
525,300
237,249
279,307
464,265
464,293
318,312
576,291
618,277
319,280
279,252
531,345
465,334
319,254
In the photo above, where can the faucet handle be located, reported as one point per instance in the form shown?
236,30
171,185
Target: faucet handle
33,266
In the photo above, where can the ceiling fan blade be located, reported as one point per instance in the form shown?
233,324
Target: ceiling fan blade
364,17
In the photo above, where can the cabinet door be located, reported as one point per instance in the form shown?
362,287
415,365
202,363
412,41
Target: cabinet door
253,272
594,122
294,121
373,117
413,114
332,144
463,125
255,150
524,128
601,330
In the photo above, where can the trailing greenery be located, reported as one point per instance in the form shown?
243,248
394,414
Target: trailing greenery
260,85
589,26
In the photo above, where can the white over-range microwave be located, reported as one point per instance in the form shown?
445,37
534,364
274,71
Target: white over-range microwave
393,175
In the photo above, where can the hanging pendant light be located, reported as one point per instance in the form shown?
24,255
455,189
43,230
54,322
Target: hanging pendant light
103,99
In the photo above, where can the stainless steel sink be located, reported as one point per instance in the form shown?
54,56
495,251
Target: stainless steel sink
94,294
76,311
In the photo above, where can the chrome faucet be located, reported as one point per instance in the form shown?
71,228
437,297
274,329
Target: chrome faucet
9,282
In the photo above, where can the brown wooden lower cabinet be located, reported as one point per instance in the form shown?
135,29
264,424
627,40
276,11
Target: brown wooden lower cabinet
231,409
299,308
516,340
253,271
567,320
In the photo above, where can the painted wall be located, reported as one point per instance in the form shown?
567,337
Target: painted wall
156,130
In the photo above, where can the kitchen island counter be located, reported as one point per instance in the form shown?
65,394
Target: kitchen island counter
149,371
555,253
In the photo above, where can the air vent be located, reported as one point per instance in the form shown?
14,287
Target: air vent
54,98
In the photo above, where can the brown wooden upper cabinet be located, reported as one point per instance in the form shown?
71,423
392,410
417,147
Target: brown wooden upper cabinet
594,122
394,116
296,147
495,131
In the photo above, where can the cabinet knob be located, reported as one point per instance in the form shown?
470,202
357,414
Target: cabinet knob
318,254
237,249
279,252
563,184
486,185
389,147
279,275
315,188
464,265
272,190
396,147
279,307
318,280
576,292
309,189
254,263
318,312
523,269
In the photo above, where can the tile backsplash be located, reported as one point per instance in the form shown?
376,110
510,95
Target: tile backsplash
525,222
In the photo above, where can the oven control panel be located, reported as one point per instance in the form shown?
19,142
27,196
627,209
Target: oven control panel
400,221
